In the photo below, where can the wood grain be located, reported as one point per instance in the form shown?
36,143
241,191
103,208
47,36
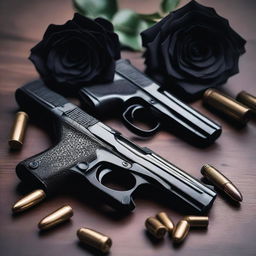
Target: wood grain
232,229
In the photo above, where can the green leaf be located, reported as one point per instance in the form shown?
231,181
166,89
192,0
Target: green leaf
96,8
169,5
131,41
127,21
154,17
151,19
128,25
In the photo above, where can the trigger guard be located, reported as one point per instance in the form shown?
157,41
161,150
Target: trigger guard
129,116
118,199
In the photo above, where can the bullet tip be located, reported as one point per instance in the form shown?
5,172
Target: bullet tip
233,192
28,201
15,208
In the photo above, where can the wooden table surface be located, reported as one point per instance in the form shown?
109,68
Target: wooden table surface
232,228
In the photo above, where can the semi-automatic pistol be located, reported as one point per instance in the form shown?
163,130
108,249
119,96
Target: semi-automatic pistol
95,152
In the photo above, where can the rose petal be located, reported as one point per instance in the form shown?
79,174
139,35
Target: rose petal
40,65
154,54
52,28
87,24
149,34
169,64
105,24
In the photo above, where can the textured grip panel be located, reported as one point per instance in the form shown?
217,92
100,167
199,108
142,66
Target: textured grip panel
82,118
51,168
43,93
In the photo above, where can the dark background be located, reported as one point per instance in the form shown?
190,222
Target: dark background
232,229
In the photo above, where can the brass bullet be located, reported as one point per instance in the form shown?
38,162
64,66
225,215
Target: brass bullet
180,232
18,130
197,221
247,99
166,221
155,227
227,105
94,239
28,201
220,181
62,214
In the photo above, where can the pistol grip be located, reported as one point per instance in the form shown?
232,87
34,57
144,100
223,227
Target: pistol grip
51,168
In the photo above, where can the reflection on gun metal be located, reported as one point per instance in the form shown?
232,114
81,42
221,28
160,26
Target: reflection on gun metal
140,100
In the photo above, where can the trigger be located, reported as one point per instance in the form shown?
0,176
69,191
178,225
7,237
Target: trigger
138,113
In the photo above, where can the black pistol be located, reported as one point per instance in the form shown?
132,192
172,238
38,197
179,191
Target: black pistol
94,151
137,98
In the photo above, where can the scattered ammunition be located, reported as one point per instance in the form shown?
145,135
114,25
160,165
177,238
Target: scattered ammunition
166,221
18,130
180,232
28,201
227,105
197,221
248,100
155,227
220,181
94,239
62,214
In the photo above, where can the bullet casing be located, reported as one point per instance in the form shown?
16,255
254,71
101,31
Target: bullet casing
60,215
94,239
197,221
181,231
166,221
28,201
227,105
155,227
247,99
222,182
214,175
18,130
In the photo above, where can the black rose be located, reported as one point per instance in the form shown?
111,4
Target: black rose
192,49
77,53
